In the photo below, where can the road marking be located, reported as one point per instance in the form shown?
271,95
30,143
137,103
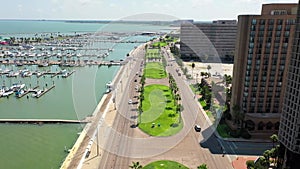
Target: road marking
234,145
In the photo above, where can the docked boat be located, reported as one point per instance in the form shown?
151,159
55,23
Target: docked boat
16,87
43,64
7,93
2,91
37,93
19,92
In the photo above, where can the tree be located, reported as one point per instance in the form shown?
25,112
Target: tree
274,139
202,166
208,67
193,66
250,164
136,165
266,155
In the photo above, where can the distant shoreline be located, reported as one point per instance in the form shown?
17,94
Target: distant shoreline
94,21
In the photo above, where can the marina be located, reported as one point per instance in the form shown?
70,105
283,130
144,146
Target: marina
78,64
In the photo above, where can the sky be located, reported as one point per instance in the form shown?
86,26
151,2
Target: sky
199,10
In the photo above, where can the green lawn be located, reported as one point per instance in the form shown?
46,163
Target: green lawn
153,53
155,70
165,164
160,44
159,109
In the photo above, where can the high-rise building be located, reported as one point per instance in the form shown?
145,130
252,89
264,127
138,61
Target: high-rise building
208,42
289,131
262,55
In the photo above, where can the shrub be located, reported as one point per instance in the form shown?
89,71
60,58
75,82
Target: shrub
235,134
245,134
250,164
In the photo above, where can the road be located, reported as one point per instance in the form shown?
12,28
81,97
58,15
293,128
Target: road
118,145
123,142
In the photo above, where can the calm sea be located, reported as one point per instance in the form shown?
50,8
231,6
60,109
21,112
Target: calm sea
42,146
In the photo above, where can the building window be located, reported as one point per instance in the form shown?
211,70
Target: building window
279,27
271,21
290,21
287,33
254,21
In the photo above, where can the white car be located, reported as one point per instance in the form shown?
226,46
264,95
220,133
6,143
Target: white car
197,128
130,101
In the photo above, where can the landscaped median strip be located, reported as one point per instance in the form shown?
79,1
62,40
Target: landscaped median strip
159,117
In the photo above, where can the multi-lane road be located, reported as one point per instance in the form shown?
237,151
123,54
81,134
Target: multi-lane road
123,143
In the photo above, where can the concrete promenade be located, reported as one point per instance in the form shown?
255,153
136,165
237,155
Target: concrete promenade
107,104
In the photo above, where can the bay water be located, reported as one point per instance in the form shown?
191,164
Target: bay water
75,97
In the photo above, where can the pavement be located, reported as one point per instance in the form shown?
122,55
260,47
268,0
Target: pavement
240,162
119,141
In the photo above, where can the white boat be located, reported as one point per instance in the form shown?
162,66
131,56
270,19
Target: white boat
37,93
2,91
17,86
7,93
20,92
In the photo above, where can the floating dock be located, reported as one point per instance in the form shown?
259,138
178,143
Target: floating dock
45,91
68,74
27,91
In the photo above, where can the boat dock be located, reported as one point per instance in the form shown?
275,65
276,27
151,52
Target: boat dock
61,63
27,91
44,92
68,74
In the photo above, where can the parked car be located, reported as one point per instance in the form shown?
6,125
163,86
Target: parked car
197,128
130,101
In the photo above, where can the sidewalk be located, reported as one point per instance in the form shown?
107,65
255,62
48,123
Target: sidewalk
240,162
211,123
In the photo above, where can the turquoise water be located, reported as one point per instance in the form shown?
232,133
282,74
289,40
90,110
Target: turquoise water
34,146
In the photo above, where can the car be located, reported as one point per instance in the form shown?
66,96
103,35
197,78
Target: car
130,101
197,128
135,80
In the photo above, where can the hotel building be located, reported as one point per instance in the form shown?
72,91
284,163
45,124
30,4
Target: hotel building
262,56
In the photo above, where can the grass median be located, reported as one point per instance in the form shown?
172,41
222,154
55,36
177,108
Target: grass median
155,70
165,164
159,117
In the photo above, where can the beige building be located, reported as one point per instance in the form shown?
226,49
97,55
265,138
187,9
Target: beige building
208,42
262,55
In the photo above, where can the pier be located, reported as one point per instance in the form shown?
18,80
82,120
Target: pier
44,92
68,74
27,91
61,63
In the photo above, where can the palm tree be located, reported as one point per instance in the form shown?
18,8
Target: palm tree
136,165
193,66
202,166
274,139
208,68
266,155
